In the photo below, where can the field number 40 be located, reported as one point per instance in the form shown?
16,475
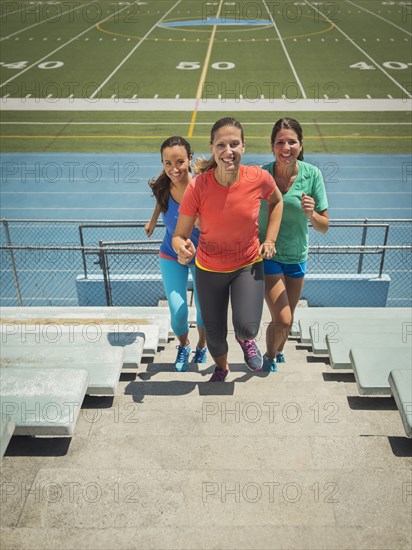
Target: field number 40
191,65
363,66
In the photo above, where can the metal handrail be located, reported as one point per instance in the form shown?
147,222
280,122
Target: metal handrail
13,265
103,225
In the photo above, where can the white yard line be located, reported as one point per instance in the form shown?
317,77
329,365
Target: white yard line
41,22
404,90
59,48
229,105
132,51
295,74
380,17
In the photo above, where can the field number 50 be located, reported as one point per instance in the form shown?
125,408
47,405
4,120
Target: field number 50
191,65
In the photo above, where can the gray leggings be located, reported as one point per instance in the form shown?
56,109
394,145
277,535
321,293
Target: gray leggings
246,289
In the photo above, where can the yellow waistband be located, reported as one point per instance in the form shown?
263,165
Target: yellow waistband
229,270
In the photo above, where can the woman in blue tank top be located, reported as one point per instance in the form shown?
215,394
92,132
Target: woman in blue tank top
168,188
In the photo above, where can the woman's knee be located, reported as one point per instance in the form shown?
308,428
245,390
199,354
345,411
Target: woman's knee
247,331
217,348
179,319
282,323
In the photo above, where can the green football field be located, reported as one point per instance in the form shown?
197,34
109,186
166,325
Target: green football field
122,76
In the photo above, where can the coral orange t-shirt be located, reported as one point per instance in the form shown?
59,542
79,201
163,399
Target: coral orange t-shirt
228,217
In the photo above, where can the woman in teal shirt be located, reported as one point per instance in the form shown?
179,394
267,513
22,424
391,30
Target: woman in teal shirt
304,201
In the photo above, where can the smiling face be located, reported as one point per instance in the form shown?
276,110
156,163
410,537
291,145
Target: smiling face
227,148
286,147
176,162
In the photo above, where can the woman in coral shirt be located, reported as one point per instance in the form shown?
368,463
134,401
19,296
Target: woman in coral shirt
226,196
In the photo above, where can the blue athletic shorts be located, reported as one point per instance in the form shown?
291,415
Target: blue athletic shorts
297,271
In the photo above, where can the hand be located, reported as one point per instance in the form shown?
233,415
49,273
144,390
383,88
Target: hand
267,250
186,252
149,228
308,205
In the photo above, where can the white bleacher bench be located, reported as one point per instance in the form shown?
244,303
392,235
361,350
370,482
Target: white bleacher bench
7,428
132,319
339,351
102,362
400,381
323,315
345,329
324,324
43,401
372,367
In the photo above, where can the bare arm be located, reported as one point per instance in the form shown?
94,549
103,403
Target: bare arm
319,220
151,224
268,247
181,242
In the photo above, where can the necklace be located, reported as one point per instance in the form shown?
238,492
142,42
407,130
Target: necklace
285,180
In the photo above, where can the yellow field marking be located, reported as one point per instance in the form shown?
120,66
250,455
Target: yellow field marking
192,137
203,75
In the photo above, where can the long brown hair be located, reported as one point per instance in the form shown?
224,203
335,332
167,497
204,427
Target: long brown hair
160,186
288,123
202,165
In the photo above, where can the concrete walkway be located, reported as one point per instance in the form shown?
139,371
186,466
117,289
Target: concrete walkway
288,460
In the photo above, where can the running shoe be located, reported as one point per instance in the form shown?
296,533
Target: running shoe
219,375
200,355
182,359
269,365
251,354
280,357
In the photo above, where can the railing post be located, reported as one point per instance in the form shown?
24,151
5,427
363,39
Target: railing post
364,234
385,242
83,254
106,277
13,263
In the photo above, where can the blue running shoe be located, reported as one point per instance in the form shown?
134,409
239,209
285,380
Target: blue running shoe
182,359
269,365
280,358
251,354
200,355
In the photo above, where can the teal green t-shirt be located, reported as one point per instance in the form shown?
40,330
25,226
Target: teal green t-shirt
293,239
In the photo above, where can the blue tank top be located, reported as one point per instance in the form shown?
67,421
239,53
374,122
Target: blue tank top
170,221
